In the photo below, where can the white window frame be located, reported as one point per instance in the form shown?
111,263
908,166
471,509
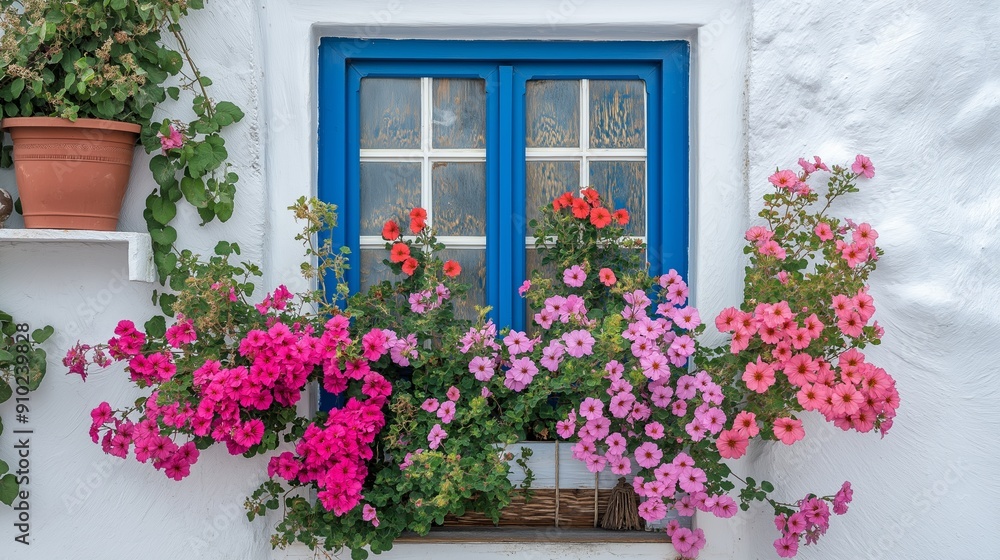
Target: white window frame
718,31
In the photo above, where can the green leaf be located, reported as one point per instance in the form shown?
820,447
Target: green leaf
194,191
8,489
3,465
16,87
156,327
227,113
41,335
224,210
163,170
174,92
5,392
223,248
6,357
165,236
171,61
163,210
766,486
167,303
165,264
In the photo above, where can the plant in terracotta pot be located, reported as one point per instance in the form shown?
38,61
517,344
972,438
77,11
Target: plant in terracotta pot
79,83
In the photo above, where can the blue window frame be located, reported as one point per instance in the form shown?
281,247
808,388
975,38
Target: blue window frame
507,69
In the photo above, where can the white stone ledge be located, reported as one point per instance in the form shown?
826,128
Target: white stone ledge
140,246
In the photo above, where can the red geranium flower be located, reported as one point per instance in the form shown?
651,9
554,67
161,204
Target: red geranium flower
452,268
600,217
418,220
621,216
390,231
580,208
410,266
592,197
399,252
562,201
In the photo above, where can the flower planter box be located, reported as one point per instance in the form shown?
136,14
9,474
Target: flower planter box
564,493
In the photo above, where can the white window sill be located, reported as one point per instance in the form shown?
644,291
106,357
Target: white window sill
140,246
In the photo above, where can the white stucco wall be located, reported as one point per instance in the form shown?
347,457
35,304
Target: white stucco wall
914,85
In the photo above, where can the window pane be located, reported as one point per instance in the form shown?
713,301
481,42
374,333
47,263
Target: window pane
545,180
552,114
388,191
617,114
373,270
390,113
459,198
473,263
459,113
623,185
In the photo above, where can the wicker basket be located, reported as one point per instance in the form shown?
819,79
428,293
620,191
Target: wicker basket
564,494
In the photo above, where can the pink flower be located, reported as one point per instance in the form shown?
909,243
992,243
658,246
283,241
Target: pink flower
788,430
368,513
574,276
579,343
842,498
591,408
446,412
181,333
520,374
648,455
654,430
517,342
863,166
823,231
616,444
652,509
732,444
171,140
758,376
607,277
787,546
565,428
746,423
525,286
453,393
436,436
482,368
430,405
785,179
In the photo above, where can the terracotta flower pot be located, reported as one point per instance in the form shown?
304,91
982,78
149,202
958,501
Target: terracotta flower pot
71,175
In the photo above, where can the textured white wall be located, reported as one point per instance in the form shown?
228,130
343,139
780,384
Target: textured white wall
914,85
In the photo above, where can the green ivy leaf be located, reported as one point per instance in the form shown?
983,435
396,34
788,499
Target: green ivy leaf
167,303
226,113
163,210
223,248
43,334
156,327
194,191
5,392
164,236
165,264
163,170
16,87
8,489
766,486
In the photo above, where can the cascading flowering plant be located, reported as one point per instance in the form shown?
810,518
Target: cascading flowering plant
614,360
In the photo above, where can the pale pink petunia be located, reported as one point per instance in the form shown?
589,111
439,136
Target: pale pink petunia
616,444
863,166
591,408
732,444
788,430
579,343
758,376
648,455
574,276
823,231
607,277
436,436
654,430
